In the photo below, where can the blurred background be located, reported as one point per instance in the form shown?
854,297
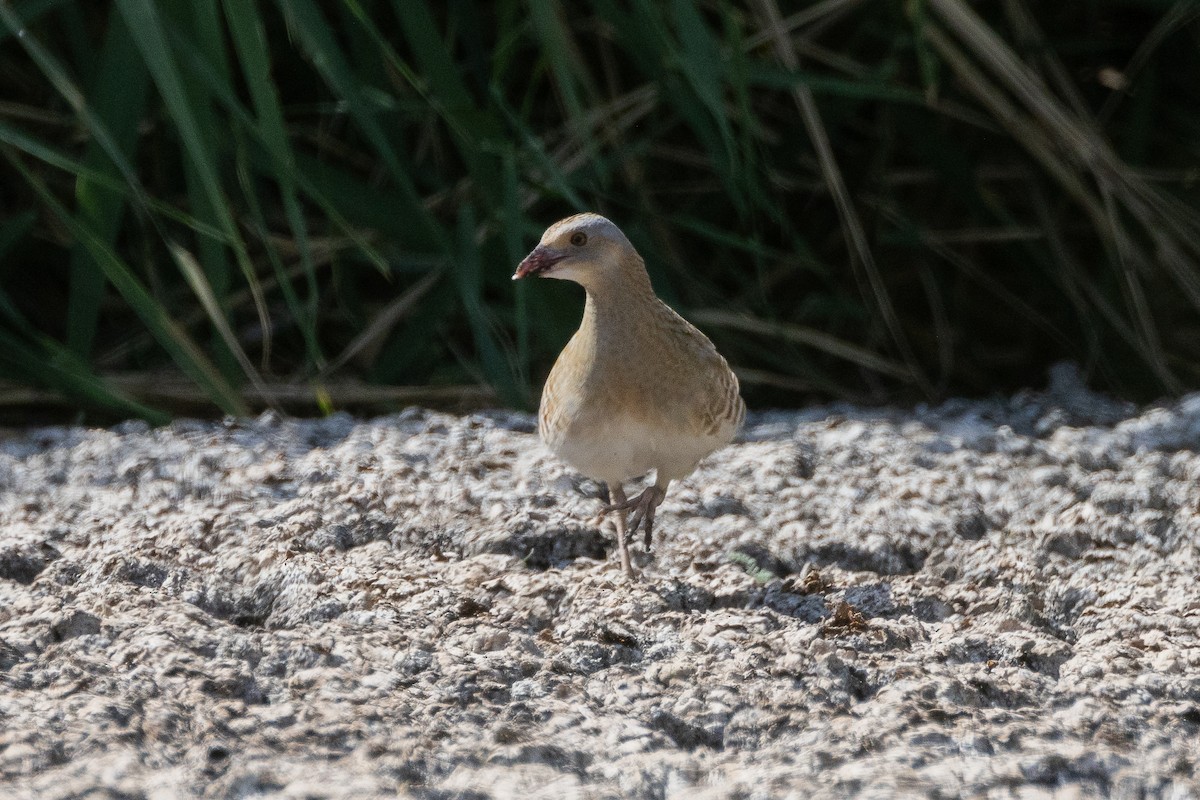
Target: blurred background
218,206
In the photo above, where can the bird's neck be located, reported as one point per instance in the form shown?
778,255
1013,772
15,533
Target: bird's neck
619,305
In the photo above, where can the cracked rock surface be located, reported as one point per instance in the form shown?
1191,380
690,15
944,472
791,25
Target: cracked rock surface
991,599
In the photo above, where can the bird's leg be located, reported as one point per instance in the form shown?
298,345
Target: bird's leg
643,513
616,496
643,507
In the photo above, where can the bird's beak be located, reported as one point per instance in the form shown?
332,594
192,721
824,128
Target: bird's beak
540,260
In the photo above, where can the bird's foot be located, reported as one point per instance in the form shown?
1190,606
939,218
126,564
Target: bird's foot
643,507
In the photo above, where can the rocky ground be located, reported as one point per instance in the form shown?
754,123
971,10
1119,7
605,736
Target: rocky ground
991,599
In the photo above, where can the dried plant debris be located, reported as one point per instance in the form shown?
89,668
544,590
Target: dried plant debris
808,581
845,619
992,599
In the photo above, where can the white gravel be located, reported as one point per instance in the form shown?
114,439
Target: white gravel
985,599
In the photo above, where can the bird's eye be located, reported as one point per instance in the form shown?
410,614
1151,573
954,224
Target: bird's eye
579,238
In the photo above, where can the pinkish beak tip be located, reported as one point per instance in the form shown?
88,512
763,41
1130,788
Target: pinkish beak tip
537,262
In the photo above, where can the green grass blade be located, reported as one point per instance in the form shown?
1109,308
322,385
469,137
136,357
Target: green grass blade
48,363
250,41
60,79
13,229
477,133
203,150
36,148
549,174
119,97
571,77
703,66
29,12
443,79
314,35
294,167
170,336
469,272
512,221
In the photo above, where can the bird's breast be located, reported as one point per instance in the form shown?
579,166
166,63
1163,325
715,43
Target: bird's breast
650,393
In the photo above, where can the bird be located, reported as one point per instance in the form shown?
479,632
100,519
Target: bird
638,387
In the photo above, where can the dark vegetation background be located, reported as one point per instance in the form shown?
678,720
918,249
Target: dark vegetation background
218,205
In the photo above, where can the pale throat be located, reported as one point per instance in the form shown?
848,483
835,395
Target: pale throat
618,303
624,284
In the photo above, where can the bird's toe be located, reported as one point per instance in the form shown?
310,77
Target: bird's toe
644,506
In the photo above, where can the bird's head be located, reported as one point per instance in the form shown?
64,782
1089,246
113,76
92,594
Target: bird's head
585,248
